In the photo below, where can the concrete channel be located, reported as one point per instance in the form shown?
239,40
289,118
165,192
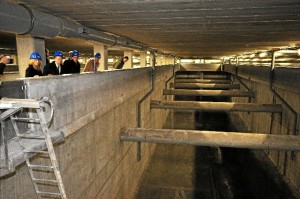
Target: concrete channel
183,171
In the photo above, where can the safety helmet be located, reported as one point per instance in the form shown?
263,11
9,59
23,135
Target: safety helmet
98,55
35,55
58,54
75,53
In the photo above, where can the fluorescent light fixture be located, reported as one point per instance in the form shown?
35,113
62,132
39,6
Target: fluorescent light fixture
252,55
263,54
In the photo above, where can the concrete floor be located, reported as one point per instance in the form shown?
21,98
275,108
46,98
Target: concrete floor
204,172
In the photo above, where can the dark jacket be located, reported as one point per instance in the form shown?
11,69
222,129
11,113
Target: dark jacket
2,67
71,67
119,64
51,69
31,72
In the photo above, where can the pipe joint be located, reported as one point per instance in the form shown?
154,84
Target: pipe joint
32,19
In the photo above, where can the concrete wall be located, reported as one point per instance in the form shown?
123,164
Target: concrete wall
91,109
258,81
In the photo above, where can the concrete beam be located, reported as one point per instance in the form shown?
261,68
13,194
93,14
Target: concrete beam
218,93
202,76
103,62
212,138
200,67
204,85
221,81
25,46
217,106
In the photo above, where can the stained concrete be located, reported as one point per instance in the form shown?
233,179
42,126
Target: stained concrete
91,109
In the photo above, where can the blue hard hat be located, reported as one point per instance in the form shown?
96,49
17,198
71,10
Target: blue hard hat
58,54
75,53
98,55
35,55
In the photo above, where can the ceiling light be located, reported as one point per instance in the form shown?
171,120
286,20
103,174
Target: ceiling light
252,55
263,54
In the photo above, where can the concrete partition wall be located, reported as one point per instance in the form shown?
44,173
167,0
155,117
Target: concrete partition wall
91,109
257,79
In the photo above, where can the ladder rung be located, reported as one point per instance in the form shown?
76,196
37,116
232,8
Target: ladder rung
41,137
48,194
32,166
25,119
27,151
45,181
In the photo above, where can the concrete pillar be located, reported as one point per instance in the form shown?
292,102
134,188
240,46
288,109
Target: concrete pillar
162,60
129,63
143,60
159,60
102,49
25,46
151,59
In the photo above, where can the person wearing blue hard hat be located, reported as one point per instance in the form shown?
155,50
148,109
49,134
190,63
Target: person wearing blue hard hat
34,66
93,64
56,66
72,65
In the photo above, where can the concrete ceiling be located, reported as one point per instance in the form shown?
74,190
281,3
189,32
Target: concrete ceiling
187,28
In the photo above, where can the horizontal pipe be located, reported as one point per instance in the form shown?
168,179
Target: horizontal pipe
221,81
204,76
205,85
217,93
217,106
212,138
20,19
7,103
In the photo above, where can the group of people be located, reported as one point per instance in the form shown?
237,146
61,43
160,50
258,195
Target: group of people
58,67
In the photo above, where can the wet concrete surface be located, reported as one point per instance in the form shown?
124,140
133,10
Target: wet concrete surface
180,171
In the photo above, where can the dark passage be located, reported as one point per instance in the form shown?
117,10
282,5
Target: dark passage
207,172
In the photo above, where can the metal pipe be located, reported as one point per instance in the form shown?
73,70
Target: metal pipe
212,138
218,93
204,85
20,19
139,112
166,84
239,79
217,106
272,89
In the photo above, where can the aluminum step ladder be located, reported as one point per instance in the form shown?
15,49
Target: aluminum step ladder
51,178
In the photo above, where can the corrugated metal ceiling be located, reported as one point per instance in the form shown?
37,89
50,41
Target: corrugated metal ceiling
188,28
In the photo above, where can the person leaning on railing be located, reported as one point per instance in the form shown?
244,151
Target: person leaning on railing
93,64
34,68
120,63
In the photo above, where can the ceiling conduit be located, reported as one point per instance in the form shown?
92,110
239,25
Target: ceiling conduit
20,19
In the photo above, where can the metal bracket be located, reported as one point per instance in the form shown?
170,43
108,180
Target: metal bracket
31,22
282,100
240,80
139,112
